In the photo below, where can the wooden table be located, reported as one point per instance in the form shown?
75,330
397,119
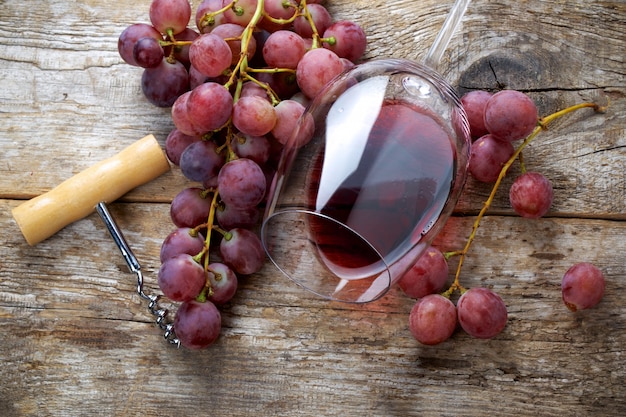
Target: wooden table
77,340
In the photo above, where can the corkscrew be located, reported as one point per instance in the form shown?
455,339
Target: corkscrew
161,314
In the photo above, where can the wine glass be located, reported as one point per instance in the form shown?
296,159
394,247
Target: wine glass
369,177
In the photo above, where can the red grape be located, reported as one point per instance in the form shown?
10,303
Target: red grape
241,183
349,40
257,148
582,286
190,208
197,325
288,113
427,276
223,283
316,68
242,11
283,49
148,52
253,116
176,142
208,6
181,240
474,104
164,83
433,319
231,33
481,313
321,19
242,250
230,218
487,157
170,15
510,115
531,195
181,278
210,54
200,161
209,106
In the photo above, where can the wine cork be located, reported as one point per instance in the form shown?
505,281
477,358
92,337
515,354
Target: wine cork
77,197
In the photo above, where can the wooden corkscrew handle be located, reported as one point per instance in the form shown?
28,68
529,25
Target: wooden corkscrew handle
78,196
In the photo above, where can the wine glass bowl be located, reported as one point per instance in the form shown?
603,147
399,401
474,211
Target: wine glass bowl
367,179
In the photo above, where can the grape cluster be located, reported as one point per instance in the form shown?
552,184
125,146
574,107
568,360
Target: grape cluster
237,83
496,121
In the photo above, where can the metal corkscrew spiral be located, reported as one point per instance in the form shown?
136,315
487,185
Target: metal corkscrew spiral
133,264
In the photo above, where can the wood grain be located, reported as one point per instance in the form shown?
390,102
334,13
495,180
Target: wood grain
78,340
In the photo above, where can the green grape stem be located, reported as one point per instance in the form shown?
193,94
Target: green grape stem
542,124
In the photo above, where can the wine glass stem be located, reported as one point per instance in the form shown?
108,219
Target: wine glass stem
433,57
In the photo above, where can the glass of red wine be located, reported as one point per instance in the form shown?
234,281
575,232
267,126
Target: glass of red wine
369,177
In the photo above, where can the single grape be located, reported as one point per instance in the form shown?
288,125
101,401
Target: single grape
204,8
474,104
348,40
201,161
428,275
582,286
170,15
210,54
223,283
148,52
256,148
321,18
231,33
283,49
176,142
241,12
280,9
288,112
190,208
481,313
209,106
180,278
197,325
242,250
253,116
510,115
129,38
230,218
531,195
181,52
487,157
163,84
433,319
181,240
316,68
241,183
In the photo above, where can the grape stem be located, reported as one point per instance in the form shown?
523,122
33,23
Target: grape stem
542,124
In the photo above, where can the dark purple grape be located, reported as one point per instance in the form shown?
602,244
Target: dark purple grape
481,313
163,84
176,142
197,324
582,286
433,319
129,38
201,161
241,183
148,53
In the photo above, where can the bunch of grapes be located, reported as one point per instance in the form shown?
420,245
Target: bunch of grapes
237,84
496,121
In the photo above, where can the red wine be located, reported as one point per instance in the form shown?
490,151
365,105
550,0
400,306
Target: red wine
390,195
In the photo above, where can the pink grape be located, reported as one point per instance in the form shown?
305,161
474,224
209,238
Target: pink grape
510,115
582,286
288,112
210,54
481,313
531,195
349,40
129,38
253,116
190,208
241,183
427,276
487,157
257,148
181,278
242,250
433,319
170,15
283,49
321,18
209,106
197,325
208,6
474,104
241,13
175,144
280,9
164,83
316,68
201,161
181,240
231,218
223,283
233,32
